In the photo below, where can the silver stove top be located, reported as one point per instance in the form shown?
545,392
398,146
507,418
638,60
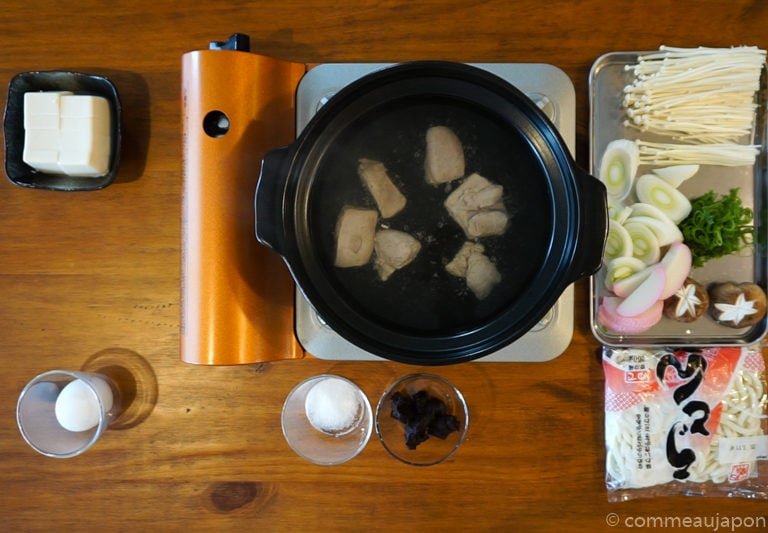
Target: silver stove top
554,93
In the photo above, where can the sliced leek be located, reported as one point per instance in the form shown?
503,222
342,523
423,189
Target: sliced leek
661,225
666,232
641,211
621,268
618,211
676,174
618,243
653,190
647,210
618,167
645,245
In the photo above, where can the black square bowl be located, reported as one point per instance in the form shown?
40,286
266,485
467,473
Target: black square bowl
78,83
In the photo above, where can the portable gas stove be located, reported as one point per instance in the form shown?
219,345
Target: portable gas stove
238,305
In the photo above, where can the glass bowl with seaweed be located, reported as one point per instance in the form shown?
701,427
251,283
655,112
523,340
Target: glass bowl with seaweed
422,419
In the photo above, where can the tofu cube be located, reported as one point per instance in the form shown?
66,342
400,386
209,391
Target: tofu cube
44,160
42,140
80,105
41,122
67,133
43,103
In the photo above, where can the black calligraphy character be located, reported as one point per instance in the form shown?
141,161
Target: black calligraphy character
696,406
684,458
697,411
694,369
681,460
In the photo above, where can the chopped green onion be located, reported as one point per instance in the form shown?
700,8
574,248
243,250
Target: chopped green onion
717,227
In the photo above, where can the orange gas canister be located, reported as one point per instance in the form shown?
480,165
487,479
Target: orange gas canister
237,296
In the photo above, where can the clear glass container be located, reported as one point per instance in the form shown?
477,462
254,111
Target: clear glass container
392,432
62,413
331,446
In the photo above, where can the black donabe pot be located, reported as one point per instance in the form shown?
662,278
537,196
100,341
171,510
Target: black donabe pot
421,314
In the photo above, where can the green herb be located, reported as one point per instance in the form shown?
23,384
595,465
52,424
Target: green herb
717,226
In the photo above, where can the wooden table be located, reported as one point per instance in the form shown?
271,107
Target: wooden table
96,274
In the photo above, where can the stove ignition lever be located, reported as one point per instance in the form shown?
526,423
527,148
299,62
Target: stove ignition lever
239,42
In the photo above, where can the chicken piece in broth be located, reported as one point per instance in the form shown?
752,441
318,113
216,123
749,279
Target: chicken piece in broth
444,161
472,264
394,250
355,230
458,265
388,198
482,275
487,223
477,206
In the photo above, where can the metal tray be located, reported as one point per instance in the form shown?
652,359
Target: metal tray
606,81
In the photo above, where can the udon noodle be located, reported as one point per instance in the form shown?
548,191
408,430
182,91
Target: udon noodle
652,435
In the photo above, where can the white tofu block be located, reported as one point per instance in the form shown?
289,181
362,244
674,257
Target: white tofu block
88,140
81,105
45,160
41,122
43,103
42,140
84,164
88,164
85,145
77,124
79,145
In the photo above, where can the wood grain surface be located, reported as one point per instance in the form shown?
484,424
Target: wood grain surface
88,275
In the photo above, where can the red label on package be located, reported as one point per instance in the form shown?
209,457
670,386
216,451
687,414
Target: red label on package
739,472
637,376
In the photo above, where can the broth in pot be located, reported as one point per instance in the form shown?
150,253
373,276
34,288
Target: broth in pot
427,295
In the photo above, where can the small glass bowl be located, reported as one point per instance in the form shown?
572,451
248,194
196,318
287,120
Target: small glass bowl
391,432
317,446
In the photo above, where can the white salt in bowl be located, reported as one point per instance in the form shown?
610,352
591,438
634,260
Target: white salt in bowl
327,419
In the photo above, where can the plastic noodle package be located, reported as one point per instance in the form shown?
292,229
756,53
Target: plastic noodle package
686,422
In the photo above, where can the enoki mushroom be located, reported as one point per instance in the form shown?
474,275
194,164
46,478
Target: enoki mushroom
699,95
724,154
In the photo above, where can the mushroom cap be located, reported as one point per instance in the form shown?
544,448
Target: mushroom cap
723,295
671,303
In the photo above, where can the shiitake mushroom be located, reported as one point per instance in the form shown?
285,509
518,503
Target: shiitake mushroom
737,305
689,303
